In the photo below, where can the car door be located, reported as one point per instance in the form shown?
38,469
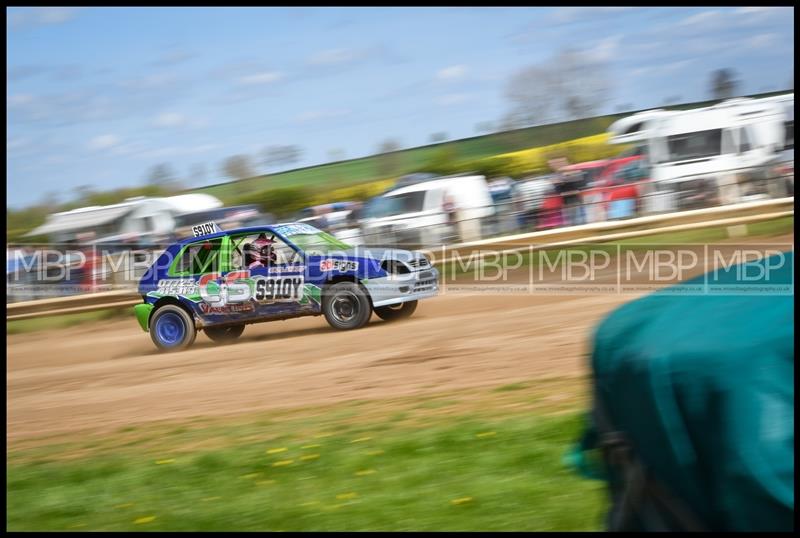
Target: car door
276,287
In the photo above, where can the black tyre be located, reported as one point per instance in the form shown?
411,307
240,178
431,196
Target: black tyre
224,334
396,311
346,306
172,328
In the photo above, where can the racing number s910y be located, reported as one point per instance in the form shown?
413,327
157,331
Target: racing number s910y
220,281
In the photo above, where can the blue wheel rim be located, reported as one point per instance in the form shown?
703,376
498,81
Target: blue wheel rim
170,329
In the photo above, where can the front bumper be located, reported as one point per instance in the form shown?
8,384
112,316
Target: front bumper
396,289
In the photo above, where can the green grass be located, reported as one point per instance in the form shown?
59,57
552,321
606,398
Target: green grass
426,470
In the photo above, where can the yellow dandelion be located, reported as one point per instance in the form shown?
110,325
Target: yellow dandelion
346,496
282,463
322,435
361,439
121,506
250,476
276,450
146,519
309,503
164,462
462,500
309,457
264,482
486,434
366,472
208,499
306,447
374,452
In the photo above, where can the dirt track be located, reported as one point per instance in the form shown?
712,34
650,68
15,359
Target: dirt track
105,376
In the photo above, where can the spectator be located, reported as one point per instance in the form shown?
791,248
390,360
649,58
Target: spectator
450,210
570,188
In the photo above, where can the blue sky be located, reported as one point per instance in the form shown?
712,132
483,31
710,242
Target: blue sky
98,96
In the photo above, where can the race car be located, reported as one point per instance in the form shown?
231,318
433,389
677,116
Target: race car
219,281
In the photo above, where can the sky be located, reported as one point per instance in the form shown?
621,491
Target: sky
98,96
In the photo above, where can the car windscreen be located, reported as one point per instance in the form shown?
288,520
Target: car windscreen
398,204
318,243
697,145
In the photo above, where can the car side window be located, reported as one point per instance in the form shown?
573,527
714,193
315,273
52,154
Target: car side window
244,251
200,257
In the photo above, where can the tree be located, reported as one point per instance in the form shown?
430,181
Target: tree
672,99
484,127
238,167
161,175
336,154
198,174
572,85
438,137
278,156
723,84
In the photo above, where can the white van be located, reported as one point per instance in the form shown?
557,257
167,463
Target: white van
723,153
415,215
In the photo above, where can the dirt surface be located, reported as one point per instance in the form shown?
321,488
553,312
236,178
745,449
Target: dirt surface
105,376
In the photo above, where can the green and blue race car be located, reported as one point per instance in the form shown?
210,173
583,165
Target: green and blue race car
220,281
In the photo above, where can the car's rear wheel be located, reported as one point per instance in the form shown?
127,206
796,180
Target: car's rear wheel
346,306
396,311
172,328
224,334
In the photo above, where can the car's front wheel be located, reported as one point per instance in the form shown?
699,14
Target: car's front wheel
172,328
346,306
224,334
396,311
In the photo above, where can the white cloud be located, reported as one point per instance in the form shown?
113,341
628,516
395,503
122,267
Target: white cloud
453,99
762,40
316,115
40,16
700,18
13,144
333,57
453,72
103,142
20,99
173,119
170,119
266,77
662,69
606,49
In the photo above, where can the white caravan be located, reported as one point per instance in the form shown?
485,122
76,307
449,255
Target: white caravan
722,152
415,215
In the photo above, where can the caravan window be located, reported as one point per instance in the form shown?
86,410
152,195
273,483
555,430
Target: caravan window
744,140
789,135
694,145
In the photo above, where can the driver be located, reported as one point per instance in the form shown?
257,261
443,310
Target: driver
260,252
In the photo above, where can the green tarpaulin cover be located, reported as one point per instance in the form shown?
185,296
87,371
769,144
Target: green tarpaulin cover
700,378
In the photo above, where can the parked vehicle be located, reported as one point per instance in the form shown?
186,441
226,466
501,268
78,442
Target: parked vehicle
428,213
718,154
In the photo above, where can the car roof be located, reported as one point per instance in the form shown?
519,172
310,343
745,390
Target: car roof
223,233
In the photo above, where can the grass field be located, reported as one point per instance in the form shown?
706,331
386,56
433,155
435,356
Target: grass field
488,459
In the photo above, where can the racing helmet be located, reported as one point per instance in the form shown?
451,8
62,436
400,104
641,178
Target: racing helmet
261,250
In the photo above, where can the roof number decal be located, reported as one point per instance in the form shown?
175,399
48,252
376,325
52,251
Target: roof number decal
205,229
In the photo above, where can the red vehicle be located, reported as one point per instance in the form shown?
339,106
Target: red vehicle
616,191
